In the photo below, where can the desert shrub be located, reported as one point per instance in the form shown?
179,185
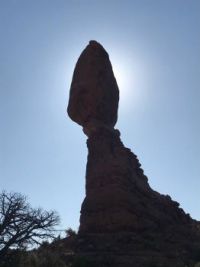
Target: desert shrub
12,259
30,259
33,259
45,259
70,232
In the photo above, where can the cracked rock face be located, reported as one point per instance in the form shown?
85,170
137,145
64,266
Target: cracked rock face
94,93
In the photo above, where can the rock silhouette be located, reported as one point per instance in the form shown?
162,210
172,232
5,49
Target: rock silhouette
123,221
94,93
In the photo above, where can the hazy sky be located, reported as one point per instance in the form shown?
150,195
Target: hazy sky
154,47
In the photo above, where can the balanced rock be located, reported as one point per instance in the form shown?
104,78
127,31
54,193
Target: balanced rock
94,93
122,219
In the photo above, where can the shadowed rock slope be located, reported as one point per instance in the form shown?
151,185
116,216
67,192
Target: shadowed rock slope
123,221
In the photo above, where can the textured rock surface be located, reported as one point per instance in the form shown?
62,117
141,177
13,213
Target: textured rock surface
122,219
118,196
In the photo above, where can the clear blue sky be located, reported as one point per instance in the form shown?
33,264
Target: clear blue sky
155,50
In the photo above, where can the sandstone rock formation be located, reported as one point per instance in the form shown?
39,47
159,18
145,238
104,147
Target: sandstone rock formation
94,93
122,219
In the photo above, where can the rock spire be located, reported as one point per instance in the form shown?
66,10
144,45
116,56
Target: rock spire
122,218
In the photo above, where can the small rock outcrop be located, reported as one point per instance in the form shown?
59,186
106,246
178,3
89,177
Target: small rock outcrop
123,221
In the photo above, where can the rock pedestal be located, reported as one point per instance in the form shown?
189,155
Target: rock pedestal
122,219
118,196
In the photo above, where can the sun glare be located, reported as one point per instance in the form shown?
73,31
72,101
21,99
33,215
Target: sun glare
128,73
124,80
